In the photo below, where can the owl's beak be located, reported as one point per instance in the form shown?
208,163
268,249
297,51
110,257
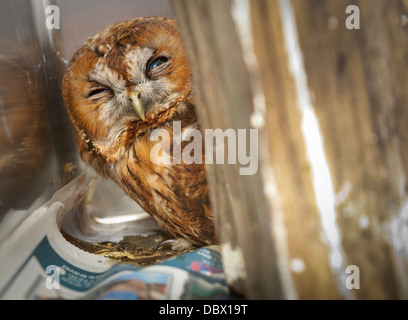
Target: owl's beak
137,104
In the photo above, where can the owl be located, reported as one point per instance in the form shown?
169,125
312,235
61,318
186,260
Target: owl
126,82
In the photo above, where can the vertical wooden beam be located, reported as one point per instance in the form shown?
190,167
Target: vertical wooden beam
222,92
307,256
330,106
357,80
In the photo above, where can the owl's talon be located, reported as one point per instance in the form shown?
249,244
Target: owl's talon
179,244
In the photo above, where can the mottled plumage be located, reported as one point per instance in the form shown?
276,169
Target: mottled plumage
131,78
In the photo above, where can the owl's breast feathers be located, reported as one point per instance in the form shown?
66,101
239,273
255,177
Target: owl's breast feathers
176,195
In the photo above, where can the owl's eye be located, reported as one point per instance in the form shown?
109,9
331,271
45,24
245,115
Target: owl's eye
96,91
156,62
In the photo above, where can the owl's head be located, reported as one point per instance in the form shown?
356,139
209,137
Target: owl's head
124,73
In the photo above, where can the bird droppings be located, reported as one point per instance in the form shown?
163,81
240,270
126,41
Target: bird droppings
257,120
404,20
297,265
364,222
234,263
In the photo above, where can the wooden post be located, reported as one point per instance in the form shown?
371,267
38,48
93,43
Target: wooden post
324,83
224,100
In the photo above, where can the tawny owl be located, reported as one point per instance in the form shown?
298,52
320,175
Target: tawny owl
124,83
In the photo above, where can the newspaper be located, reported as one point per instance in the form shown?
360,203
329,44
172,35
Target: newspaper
37,262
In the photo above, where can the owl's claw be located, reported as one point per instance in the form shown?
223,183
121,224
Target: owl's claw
179,244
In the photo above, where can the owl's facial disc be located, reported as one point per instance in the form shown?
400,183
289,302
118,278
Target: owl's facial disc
147,71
